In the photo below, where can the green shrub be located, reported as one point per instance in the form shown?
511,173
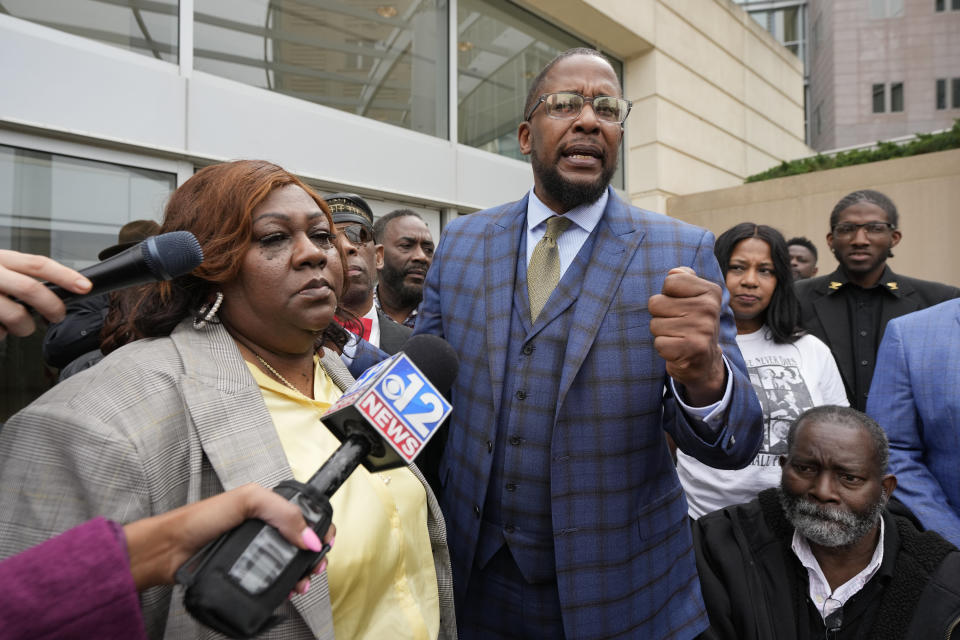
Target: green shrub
924,143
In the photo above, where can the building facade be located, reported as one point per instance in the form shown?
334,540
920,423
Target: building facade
106,107
875,69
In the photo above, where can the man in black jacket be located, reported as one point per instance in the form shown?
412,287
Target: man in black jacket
849,308
353,219
823,556
73,344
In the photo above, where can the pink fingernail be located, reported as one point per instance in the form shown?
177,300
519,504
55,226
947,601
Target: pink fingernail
310,539
331,541
323,566
306,588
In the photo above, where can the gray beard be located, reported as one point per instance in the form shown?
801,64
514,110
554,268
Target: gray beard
826,526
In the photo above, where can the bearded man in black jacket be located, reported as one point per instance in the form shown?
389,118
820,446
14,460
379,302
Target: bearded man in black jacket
825,555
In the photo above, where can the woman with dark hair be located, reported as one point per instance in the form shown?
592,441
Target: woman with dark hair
790,371
217,382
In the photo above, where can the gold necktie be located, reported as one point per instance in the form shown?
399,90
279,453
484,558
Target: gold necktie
543,273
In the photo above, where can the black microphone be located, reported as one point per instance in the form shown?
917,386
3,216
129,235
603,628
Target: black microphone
160,257
383,420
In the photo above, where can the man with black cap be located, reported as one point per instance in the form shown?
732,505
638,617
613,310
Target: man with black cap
354,222
73,344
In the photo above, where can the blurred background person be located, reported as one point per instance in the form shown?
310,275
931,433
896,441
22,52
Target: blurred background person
73,344
790,371
803,258
219,386
354,221
849,308
915,396
404,254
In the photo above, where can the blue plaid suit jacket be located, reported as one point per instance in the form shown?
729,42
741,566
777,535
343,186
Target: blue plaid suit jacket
624,559
914,398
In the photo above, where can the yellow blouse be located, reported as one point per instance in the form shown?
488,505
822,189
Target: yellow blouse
381,575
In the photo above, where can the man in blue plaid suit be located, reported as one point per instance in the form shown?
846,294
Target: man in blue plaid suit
564,514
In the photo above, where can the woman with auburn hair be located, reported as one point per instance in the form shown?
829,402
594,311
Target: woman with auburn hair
790,371
218,383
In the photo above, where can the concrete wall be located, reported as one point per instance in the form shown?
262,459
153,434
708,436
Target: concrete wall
716,98
925,188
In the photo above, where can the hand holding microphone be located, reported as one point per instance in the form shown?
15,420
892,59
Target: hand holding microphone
383,421
18,273
162,257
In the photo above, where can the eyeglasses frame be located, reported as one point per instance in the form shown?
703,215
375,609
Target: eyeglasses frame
543,98
889,228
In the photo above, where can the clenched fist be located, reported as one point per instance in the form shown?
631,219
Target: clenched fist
685,328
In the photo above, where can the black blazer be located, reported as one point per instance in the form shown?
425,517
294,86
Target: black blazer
823,311
393,335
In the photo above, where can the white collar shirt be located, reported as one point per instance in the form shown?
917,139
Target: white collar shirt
826,599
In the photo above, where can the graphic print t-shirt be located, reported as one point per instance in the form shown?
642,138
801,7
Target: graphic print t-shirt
788,379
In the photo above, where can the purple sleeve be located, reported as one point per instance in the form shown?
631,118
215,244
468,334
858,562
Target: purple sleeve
76,585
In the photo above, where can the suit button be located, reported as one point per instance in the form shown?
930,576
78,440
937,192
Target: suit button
509,528
863,333
521,395
511,487
476,510
489,446
527,349
515,441
863,362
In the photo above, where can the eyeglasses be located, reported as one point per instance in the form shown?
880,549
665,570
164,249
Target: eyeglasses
873,228
568,106
357,234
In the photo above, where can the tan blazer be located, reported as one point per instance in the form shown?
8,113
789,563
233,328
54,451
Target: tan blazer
158,424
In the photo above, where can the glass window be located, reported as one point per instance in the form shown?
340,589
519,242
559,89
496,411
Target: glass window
955,90
69,209
501,48
938,5
955,5
382,59
150,28
879,103
896,97
941,93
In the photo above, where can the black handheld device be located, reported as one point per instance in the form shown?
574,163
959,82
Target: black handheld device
235,584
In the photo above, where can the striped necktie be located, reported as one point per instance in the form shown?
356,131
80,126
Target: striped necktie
543,273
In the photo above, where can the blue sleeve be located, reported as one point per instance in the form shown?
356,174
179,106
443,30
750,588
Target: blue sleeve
893,404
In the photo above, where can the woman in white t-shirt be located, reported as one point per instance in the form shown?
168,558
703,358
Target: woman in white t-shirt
790,371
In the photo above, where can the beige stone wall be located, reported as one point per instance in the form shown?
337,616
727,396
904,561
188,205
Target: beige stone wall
716,98
926,190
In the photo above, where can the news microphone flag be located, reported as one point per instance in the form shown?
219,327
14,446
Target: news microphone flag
395,399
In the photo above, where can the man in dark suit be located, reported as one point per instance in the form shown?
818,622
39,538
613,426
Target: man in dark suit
583,334
850,308
354,221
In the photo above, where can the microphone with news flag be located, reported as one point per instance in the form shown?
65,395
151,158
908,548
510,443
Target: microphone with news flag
383,421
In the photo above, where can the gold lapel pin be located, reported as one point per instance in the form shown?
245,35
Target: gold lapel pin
836,285
892,286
